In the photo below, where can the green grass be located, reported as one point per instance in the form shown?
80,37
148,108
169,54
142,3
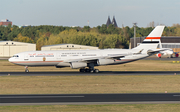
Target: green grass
94,108
89,84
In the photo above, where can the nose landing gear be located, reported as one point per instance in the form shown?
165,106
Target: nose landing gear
26,69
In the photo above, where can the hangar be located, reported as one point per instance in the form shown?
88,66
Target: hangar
9,48
66,47
167,42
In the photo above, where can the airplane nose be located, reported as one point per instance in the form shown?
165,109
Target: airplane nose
10,59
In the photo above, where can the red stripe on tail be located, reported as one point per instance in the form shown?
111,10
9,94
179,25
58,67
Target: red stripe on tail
153,37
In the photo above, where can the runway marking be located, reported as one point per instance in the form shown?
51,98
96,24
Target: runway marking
176,95
42,97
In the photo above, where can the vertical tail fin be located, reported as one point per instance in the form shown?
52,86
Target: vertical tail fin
153,39
155,35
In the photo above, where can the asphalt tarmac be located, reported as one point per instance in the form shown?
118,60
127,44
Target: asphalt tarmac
95,74
89,98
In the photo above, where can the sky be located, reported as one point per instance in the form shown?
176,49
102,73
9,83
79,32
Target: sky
79,12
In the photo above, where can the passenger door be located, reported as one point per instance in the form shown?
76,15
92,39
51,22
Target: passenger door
26,57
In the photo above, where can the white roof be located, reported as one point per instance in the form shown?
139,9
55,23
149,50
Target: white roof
14,42
65,44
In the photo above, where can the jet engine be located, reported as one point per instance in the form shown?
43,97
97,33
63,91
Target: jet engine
158,55
78,64
105,61
176,54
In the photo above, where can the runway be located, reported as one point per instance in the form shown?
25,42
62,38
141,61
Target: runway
90,98
100,73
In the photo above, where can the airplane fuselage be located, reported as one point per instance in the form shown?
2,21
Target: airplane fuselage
64,58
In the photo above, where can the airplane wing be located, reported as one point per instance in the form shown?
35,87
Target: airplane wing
94,59
151,52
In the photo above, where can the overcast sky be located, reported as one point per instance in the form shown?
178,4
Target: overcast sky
78,12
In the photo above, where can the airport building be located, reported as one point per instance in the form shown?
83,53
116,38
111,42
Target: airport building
5,22
66,47
167,42
9,48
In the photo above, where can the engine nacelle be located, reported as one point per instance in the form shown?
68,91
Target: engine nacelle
177,55
158,55
78,65
105,61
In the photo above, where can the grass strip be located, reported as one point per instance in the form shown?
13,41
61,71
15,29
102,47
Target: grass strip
94,108
89,84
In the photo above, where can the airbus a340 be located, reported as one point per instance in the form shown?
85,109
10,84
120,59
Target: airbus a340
85,60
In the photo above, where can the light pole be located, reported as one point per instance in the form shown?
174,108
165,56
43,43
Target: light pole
134,34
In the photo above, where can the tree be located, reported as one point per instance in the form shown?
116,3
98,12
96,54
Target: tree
86,29
21,38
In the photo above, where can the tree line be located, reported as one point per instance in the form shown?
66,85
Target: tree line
100,36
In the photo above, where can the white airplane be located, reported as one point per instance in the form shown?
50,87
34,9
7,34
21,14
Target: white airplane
168,52
87,59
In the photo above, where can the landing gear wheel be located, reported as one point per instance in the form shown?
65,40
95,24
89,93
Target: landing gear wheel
86,70
81,70
96,70
26,70
91,71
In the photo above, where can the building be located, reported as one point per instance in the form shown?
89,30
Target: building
9,48
5,22
66,47
167,42
113,22
108,22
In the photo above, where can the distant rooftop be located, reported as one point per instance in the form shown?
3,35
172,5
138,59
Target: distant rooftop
113,22
65,44
108,21
5,20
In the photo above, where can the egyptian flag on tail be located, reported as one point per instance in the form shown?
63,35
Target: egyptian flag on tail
155,35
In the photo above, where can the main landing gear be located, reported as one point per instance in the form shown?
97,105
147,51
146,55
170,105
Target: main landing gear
26,69
89,70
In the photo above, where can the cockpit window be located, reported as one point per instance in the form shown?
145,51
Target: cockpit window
15,56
